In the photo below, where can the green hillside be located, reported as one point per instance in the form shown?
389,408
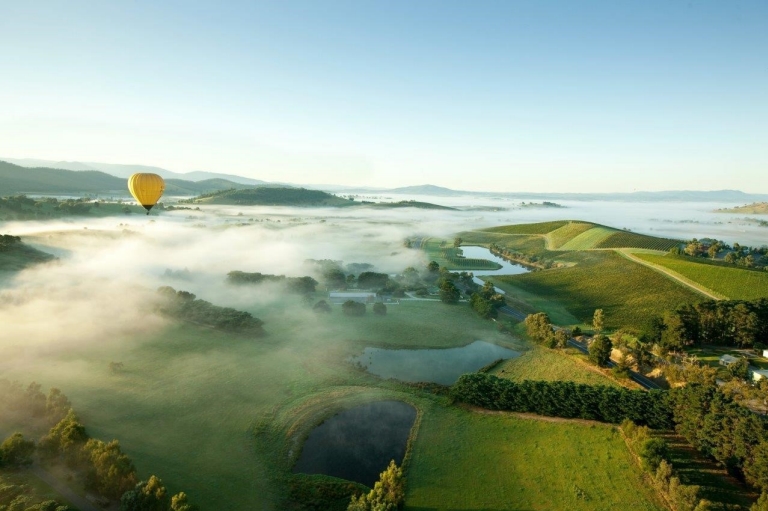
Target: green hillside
756,208
271,196
570,235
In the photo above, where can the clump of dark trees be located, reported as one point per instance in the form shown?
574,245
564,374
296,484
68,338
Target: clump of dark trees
298,285
739,255
727,322
185,306
7,242
101,466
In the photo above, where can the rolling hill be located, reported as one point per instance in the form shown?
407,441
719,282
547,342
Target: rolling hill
756,208
574,235
271,196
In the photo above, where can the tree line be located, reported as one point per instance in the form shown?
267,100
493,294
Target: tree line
298,285
187,307
564,399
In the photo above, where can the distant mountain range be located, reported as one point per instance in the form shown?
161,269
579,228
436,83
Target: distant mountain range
125,171
15,179
71,177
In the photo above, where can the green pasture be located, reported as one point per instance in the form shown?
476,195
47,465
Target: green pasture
628,292
539,363
466,460
733,282
221,416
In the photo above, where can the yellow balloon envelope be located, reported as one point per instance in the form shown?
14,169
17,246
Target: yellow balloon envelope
146,189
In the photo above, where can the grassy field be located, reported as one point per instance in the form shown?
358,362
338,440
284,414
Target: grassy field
526,465
222,417
629,293
542,364
735,283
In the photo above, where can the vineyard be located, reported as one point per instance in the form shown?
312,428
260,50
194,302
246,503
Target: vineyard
623,239
628,292
735,283
566,233
590,239
539,228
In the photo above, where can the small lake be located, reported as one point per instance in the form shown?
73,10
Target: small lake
507,268
358,444
443,366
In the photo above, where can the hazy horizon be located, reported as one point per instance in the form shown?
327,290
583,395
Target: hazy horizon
534,97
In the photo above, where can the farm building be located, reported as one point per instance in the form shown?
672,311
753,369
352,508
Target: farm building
765,353
361,296
759,374
727,360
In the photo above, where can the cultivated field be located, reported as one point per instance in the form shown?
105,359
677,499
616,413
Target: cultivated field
733,282
629,293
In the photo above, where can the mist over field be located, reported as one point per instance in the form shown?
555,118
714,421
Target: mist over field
104,281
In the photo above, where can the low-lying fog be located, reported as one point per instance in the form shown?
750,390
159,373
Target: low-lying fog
109,268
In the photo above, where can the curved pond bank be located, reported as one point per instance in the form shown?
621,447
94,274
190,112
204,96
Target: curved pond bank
358,444
443,366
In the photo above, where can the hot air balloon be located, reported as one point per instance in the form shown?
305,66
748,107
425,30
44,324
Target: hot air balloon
146,189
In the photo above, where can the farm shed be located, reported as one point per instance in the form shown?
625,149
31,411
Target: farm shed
727,360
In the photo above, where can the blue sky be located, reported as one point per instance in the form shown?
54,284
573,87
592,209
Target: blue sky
510,96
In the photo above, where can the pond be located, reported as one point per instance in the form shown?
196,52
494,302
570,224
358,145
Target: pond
507,268
358,444
443,366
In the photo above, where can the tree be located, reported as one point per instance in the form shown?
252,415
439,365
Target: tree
449,293
433,267
538,327
148,495
179,502
321,307
353,308
387,495
600,350
112,472
457,242
739,369
15,451
379,309
598,321
561,338
652,452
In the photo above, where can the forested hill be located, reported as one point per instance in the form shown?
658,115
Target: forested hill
15,179
272,196
407,204
15,255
